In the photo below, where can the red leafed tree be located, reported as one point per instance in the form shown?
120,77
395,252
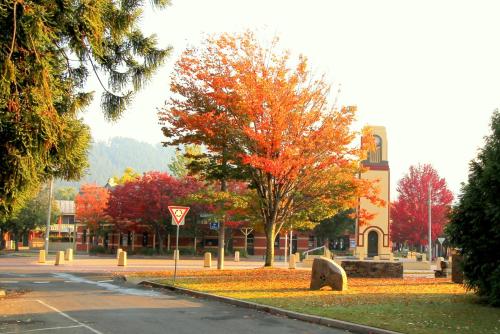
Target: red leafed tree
275,122
145,201
91,204
409,212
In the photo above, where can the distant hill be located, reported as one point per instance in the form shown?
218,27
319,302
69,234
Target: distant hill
110,158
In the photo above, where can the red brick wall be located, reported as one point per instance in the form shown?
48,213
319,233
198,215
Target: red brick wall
238,239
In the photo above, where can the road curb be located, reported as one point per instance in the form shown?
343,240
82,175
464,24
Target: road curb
345,325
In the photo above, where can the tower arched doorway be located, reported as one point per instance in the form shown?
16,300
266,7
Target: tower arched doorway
372,244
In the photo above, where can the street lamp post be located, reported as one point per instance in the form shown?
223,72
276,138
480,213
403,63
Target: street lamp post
430,221
47,232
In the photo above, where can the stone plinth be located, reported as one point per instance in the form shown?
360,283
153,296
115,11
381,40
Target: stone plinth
68,255
207,260
326,272
371,269
122,259
41,257
292,262
59,258
297,257
118,251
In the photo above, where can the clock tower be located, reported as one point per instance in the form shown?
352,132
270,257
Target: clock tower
372,237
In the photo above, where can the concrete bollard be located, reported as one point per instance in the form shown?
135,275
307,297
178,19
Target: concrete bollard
41,256
297,257
208,260
68,255
176,255
292,263
237,256
59,258
424,257
122,259
118,251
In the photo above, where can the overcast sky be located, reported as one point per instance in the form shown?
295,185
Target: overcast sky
429,71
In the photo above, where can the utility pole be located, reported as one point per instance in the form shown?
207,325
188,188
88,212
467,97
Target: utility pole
47,231
429,202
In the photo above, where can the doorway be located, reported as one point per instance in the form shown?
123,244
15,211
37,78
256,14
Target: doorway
372,244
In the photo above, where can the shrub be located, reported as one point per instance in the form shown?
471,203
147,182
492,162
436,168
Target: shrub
243,252
99,250
186,251
146,251
475,225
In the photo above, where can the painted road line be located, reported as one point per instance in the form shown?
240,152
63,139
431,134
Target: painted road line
9,282
93,330
41,282
105,281
42,329
110,287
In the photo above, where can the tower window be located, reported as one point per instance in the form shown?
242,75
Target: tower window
376,155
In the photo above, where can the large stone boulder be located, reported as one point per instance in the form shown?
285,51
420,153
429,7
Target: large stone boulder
326,272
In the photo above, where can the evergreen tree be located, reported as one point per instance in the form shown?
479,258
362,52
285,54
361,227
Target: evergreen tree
334,227
32,215
475,225
65,193
179,167
48,49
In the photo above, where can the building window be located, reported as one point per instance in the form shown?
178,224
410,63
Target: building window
84,237
310,243
277,242
145,240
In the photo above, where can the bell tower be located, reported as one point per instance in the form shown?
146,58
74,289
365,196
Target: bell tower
372,237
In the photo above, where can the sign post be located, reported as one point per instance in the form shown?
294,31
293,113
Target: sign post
178,214
441,240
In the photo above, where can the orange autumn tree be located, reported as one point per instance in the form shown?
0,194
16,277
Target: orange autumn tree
295,147
91,204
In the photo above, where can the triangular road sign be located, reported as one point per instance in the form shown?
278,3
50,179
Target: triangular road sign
178,213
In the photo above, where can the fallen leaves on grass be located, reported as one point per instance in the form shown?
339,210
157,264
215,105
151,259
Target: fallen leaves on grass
282,283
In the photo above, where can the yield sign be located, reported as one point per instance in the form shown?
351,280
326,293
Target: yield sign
178,213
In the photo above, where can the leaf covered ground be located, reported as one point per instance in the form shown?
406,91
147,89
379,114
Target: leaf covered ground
410,305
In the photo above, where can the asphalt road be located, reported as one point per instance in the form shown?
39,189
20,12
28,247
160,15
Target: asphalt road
62,302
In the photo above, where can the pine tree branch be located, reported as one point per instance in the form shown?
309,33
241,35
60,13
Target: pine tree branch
14,32
98,77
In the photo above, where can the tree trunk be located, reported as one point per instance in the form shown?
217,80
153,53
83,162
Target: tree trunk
160,241
270,246
220,247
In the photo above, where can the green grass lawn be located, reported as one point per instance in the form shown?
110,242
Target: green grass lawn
404,305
